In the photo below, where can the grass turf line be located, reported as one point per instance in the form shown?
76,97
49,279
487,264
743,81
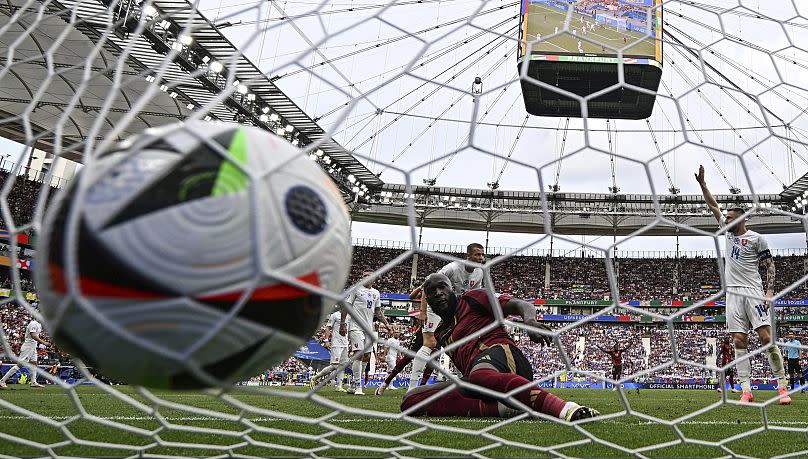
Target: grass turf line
266,433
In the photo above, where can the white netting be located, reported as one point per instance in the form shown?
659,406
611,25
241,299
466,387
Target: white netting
396,85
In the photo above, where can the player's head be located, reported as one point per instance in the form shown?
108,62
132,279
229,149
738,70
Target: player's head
734,214
367,274
615,347
791,336
439,294
475,252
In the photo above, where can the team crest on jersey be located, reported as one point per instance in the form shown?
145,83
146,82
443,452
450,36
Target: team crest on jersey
744,241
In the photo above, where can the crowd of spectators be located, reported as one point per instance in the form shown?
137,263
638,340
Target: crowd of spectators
578,278
583,346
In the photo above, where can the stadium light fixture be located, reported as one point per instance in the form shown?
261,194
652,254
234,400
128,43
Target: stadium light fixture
177,46
216,67
205,59
207,118
163,88
355,189
251,97
173,95
313,157
279,131
265,110
319,152
242,89
236,82
185,39
165,24
150,78
289,128
351,178
263,118
274,117
190,106
295,142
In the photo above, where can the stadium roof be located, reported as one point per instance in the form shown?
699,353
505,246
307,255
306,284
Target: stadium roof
177,88
188,82
569,213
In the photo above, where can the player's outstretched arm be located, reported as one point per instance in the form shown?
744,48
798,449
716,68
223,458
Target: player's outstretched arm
380,316
708,197
343,327
527,311
771,271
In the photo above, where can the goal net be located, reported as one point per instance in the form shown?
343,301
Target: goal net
497,117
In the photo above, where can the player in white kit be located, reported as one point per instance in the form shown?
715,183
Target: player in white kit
392,344
463,277
365,303
338,345
745,311
27,353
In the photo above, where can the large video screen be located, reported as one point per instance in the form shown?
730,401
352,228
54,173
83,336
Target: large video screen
597,28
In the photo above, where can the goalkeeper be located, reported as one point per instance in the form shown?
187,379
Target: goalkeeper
491,360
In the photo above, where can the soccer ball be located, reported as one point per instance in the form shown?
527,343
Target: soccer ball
166,257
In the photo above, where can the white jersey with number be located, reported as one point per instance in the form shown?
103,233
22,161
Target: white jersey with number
338,340
461,279
35,328
363,303
742,258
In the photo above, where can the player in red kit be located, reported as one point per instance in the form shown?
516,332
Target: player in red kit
616,354
726,354
491,361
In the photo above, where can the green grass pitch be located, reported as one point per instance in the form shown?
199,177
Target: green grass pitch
603,34
163,428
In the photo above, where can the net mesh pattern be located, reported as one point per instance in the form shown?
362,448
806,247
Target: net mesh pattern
380,77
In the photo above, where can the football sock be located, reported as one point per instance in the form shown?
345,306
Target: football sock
10,372
776,364
356,368
325,371
400,364
534,397
418,366
744,369
428,371
452,404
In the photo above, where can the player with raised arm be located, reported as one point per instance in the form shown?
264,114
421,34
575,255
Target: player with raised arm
726,354
338,345
463,277
745,250
492,360
365,302
28,353
793,353
616,354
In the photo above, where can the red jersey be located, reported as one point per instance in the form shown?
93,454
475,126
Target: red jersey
727,353
473,312
617,357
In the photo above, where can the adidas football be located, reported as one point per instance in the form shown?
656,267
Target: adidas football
191,256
